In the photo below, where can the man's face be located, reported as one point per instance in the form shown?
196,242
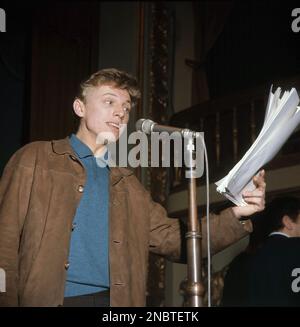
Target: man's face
105,109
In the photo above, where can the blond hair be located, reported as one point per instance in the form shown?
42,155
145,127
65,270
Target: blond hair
114,77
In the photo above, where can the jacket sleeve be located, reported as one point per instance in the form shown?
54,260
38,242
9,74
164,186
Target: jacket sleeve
167,235
15,186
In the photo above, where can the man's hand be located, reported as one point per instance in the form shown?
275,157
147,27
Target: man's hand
254,199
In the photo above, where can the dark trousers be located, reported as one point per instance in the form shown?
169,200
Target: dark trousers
100,299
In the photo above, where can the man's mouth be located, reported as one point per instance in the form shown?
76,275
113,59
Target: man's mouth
115,125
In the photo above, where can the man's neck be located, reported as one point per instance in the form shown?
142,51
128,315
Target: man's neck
97,149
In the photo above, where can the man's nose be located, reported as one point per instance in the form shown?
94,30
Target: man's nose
119,111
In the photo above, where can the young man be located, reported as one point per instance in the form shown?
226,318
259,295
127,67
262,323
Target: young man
275,269
70,228
269,274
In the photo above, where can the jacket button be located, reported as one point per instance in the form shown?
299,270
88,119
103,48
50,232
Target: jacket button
67,265
80,188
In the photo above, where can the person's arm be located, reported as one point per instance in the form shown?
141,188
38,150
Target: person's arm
15,186
226,228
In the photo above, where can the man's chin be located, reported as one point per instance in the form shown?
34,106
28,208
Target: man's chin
104,138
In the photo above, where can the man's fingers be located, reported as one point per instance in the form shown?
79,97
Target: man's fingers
257,193
255,200
259,181
257,197
259,202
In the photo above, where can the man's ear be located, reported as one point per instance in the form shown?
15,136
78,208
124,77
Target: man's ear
79,108
287,222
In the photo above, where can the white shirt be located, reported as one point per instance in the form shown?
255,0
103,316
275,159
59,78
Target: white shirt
279,233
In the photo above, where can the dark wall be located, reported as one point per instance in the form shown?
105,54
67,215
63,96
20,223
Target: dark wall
257,45
14,66
47,50
64,53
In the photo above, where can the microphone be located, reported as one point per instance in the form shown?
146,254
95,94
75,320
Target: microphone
148,126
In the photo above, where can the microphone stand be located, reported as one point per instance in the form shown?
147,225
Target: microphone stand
192,287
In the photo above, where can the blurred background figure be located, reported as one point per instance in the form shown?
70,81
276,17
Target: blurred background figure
263,274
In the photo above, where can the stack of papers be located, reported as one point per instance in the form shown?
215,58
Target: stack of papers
281,118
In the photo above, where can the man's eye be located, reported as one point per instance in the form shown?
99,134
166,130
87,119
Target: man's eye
126,109
108,101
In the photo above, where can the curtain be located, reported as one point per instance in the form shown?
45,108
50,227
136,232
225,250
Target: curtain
64,52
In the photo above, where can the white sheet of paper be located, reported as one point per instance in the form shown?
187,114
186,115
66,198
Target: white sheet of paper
281,119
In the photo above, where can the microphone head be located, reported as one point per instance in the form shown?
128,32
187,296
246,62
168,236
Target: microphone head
139,124
144,125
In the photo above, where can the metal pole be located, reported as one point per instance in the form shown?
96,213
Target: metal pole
192,287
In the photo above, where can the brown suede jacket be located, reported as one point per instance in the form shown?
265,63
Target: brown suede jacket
40,190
